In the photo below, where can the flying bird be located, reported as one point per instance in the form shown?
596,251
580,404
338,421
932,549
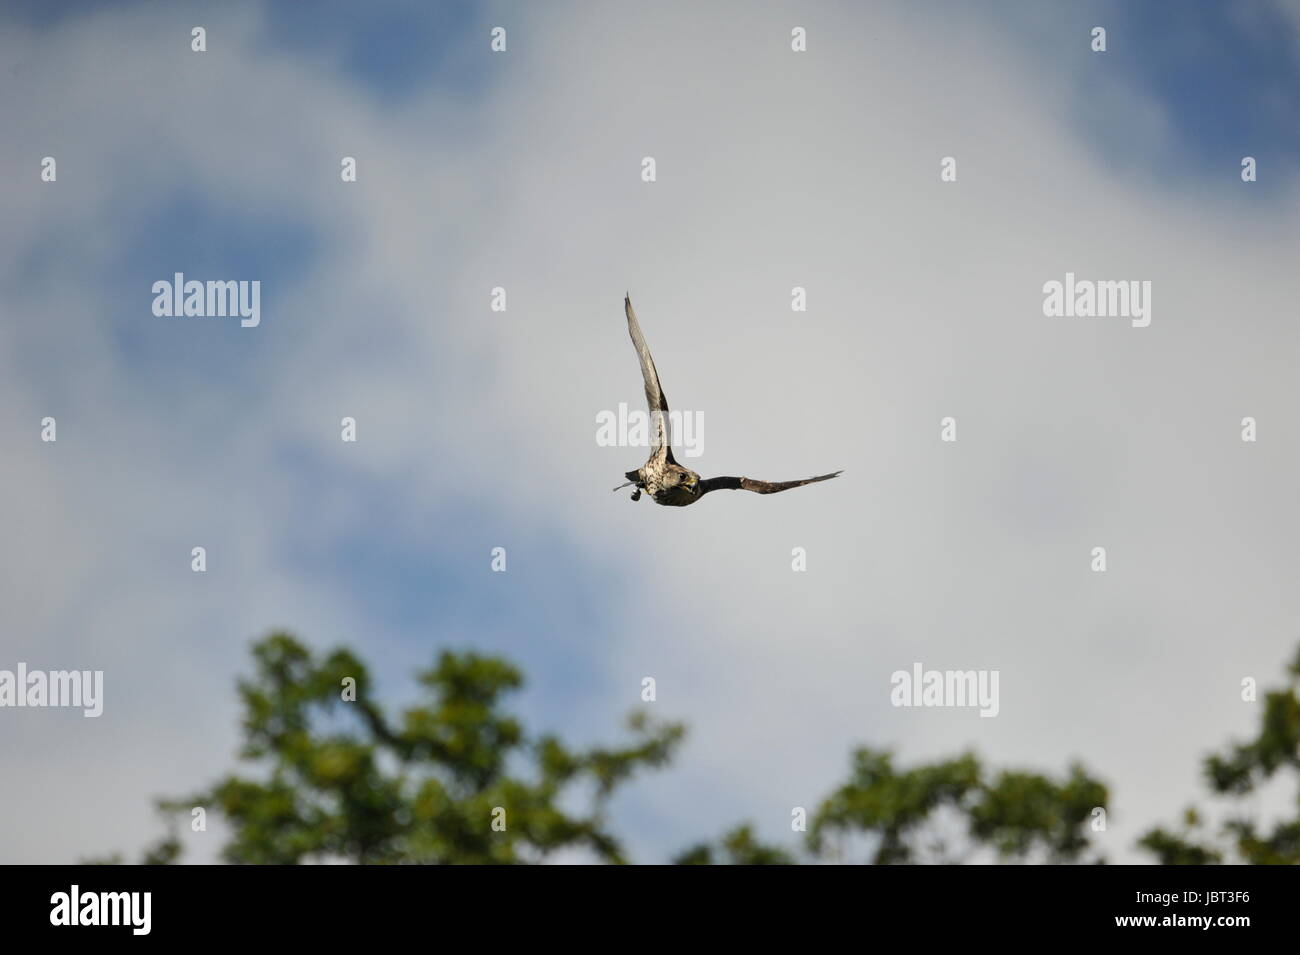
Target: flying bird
662,477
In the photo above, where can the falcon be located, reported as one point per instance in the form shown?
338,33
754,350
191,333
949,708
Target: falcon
666,481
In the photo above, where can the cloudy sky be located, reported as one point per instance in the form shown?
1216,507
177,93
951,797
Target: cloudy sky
476,429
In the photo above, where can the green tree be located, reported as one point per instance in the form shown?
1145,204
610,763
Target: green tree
737,847
339,781
944,812
1241,770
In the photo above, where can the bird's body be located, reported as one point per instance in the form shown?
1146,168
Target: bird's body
666,481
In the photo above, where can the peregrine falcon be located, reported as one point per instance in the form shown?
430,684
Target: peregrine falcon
662,477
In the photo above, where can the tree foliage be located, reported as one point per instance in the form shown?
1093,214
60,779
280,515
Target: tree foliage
945,812
334,777
1239,771
340,780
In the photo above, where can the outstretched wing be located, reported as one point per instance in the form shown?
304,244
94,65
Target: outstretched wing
758,487
654,395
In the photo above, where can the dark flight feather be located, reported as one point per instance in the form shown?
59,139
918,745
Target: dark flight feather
758,487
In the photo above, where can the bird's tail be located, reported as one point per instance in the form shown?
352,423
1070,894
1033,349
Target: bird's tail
633,477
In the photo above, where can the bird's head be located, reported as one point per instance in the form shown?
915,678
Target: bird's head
688,479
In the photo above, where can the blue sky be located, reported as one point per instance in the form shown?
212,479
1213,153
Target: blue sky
1228,74
479,170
